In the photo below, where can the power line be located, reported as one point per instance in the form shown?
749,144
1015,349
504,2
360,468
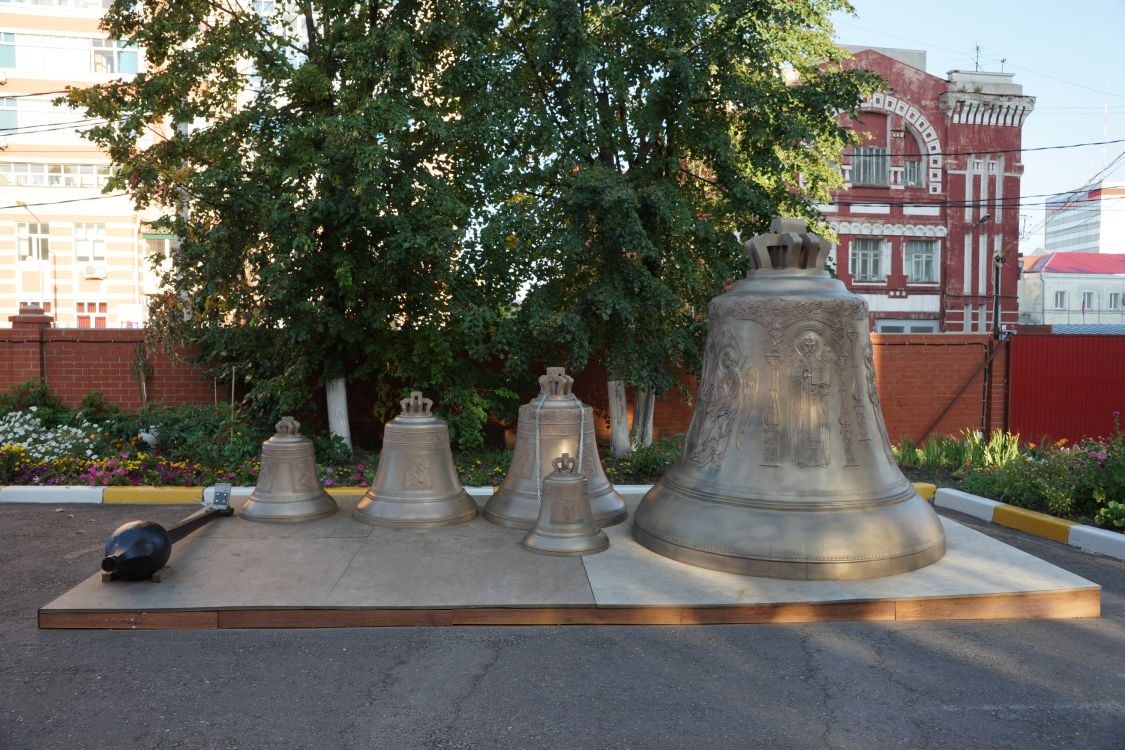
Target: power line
982,152
34,93
58,203
50,127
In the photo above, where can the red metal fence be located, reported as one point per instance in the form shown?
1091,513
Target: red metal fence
1065,386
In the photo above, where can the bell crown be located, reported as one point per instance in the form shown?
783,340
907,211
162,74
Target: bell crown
788,246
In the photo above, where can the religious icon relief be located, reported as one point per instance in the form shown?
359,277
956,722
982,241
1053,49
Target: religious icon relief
419,475
726,398
809,382
873,396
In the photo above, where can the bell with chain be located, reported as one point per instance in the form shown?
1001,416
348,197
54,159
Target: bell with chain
787,469
553,423
288,489
416,484
565,525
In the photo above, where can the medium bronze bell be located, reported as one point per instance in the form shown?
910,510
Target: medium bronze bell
566,524
786,470
288,490
553,423
416,484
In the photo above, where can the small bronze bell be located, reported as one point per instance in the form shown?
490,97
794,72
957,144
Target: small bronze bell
566,525
553,423
288,490
786,470
416,484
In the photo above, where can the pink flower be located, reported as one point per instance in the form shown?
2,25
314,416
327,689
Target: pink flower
360,467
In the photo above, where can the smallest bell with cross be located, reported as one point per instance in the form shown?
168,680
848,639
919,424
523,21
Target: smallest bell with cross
416,484
566,522
288,489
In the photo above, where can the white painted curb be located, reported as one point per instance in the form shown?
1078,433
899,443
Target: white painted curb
51,495
963,502
1101,541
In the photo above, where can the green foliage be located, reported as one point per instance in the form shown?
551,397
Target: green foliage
482,468
330,449
206,434
629,141
1111,516
48,407
653,460
906,454
321,202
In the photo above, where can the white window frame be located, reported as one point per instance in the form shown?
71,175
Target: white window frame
908,262
908,325
870,166
1114,301
1061,297
1089,300
33,246
879,254
914,172
89,242
99,313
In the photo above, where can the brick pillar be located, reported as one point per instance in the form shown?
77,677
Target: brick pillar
32,323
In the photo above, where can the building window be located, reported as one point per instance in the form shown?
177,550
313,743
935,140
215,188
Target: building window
892,325
9,113
89,242
1115,300
7,50
44,306
1060,300
867,260
921,261
263,7
33,240
1087,301
912,174
869,166
112,56
91,314
26,174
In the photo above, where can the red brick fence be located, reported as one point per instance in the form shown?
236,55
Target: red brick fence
921,378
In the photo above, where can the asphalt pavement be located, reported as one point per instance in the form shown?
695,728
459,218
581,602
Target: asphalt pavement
957,685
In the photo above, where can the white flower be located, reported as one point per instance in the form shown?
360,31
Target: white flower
33,408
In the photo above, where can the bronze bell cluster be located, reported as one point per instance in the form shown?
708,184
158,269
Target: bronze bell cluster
786,470
553,423
288,489
416,484
565,525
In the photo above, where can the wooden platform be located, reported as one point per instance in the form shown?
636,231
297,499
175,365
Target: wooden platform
339,573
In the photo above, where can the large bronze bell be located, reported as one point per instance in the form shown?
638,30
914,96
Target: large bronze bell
416,484
553,423
566,524
288,490
786,470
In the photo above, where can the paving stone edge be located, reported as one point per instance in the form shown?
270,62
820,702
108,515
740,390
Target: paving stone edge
1088,538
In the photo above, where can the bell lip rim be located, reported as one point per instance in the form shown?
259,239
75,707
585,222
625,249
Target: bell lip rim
852,569
426,524
289,519
603,546
804,504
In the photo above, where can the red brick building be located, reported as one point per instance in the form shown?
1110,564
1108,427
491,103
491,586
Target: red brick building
931,196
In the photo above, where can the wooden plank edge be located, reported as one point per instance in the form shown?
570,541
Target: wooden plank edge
129,620
1030,605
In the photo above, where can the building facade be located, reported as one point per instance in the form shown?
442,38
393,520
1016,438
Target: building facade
64,246
1073,289
931,196
1091,220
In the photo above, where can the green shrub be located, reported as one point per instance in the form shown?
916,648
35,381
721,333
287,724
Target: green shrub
48,408
906,454
650,461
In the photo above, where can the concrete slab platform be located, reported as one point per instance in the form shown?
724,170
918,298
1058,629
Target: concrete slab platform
337,572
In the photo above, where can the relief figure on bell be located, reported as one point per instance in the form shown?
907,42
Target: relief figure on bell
809,383
726,396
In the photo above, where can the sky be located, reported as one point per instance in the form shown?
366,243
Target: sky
1067,56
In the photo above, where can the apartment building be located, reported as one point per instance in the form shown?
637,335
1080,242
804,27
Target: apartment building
64,245
1091,220
1074,289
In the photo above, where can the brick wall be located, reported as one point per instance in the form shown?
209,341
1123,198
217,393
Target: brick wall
77,361
919,376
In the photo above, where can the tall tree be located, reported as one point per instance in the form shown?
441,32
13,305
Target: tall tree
307,155
631,139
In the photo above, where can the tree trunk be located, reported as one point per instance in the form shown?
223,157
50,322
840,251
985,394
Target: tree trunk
643,409
618,419
336,393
